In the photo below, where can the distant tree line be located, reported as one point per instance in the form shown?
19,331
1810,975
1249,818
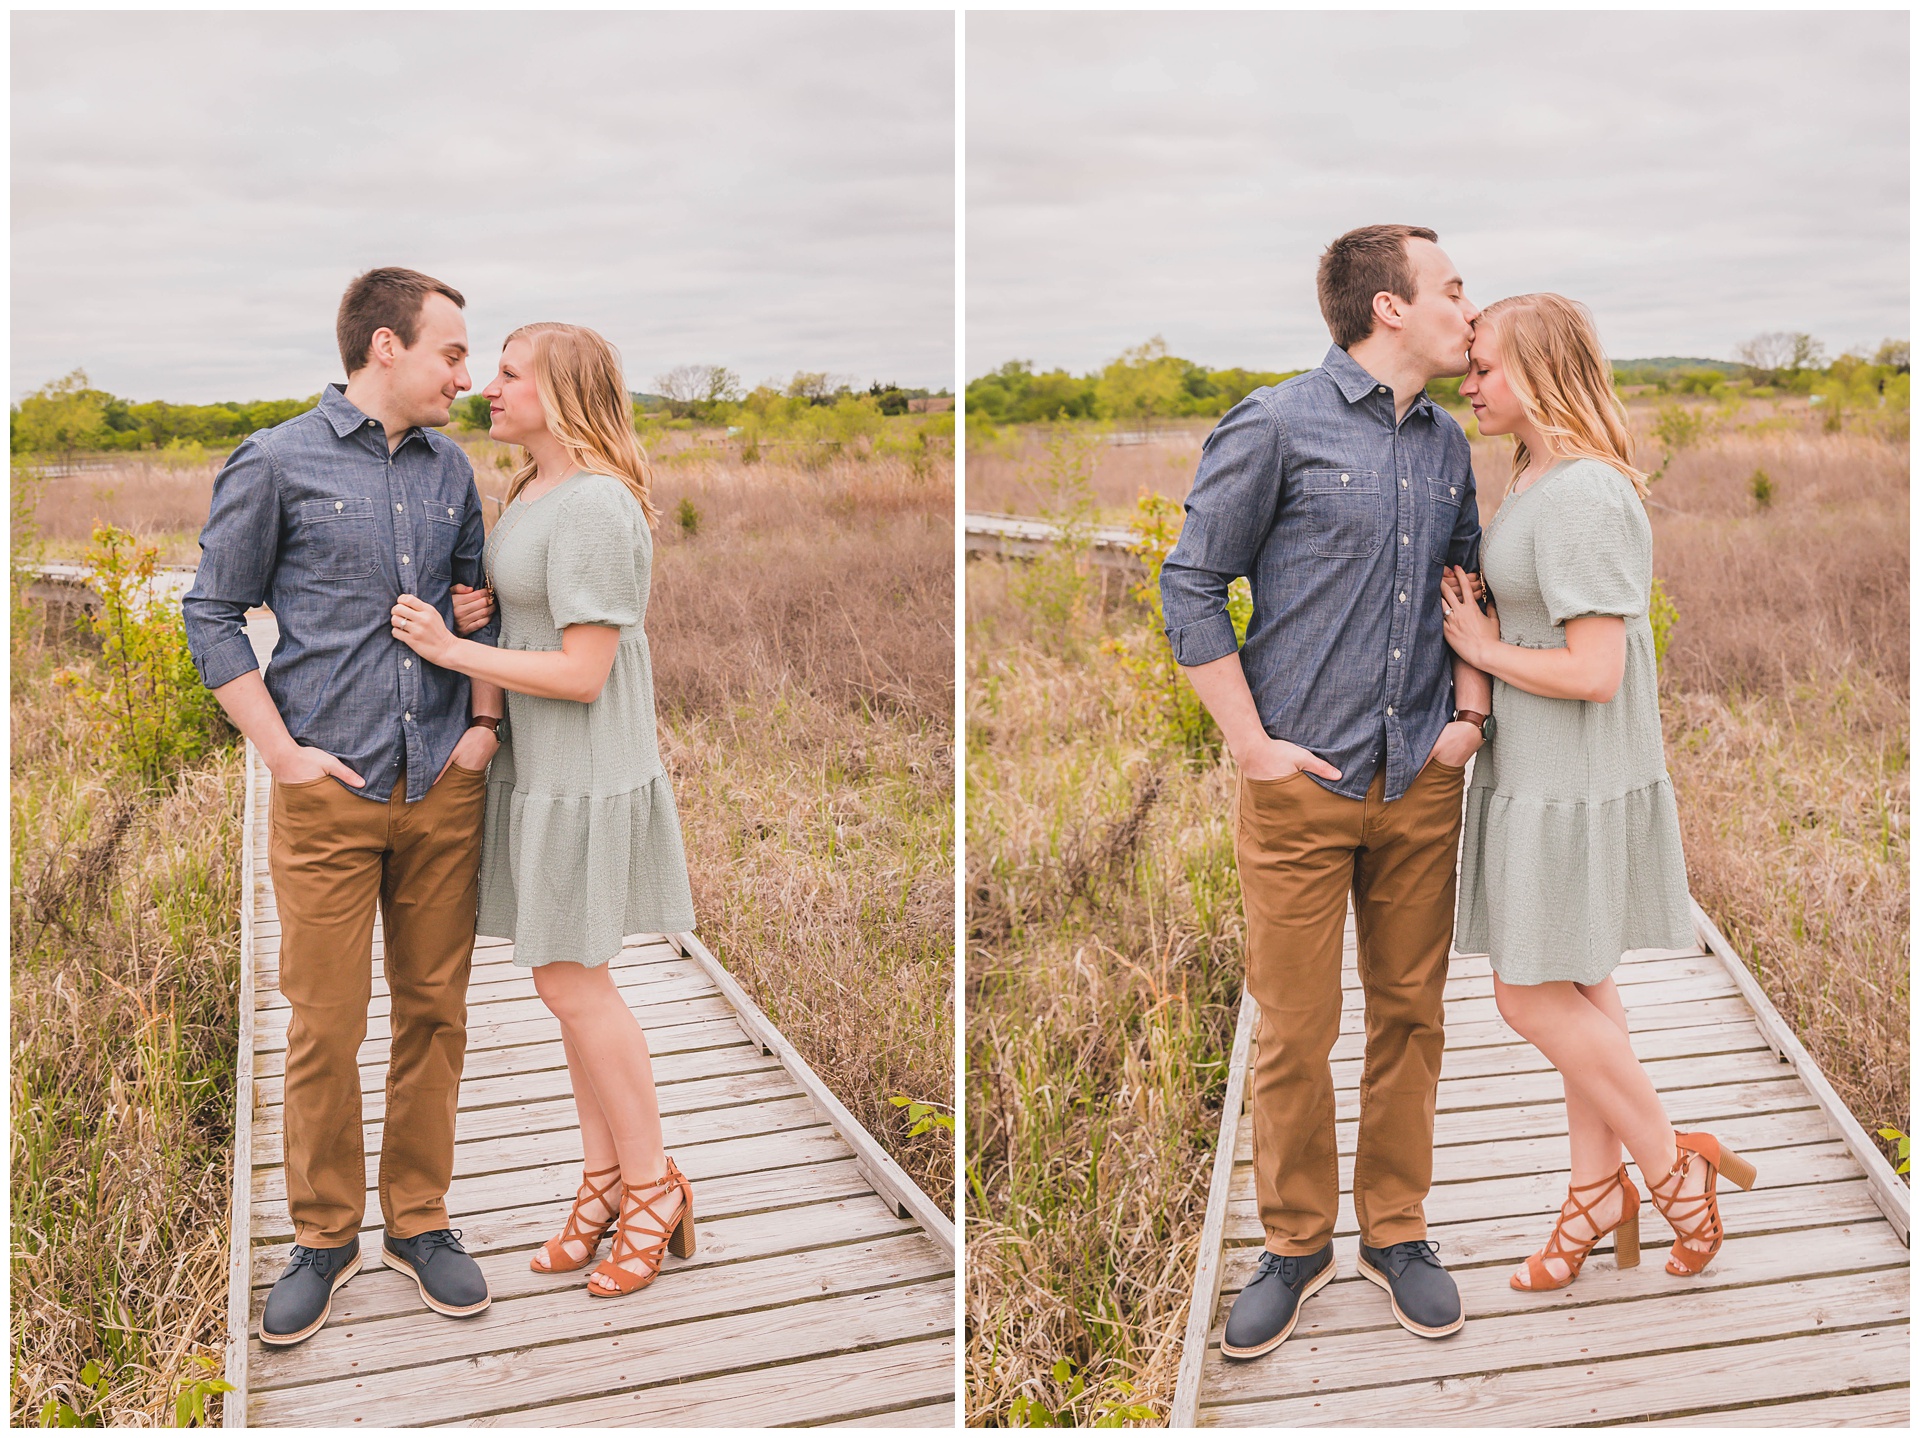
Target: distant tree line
1145,383
714,394
69,415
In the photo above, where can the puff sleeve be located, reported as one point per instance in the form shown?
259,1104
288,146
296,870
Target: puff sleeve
595,557
1593,547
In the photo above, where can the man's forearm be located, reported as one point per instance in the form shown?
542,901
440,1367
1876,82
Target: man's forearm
488,700
255,715
1472,688
1222,687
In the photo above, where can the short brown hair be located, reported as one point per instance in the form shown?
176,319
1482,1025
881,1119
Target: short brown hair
385,299
1358,266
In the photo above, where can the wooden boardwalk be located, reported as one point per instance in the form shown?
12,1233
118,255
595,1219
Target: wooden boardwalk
822,1290
1801,1321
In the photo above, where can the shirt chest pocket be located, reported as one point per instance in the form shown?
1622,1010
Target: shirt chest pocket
1346,514
442,534
337,535
1444,497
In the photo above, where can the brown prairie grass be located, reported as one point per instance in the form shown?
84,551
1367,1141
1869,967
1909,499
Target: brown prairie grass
1103,925
124,951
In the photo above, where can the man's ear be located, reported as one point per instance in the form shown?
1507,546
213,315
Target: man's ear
1386,311
383,348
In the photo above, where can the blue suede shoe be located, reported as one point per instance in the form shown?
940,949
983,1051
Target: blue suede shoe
1425,1299
449,1280
303,1297
1269,1306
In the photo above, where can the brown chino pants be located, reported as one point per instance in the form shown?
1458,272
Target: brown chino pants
1302,850
333,856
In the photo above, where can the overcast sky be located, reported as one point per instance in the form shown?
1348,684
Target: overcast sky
1695,178
192,191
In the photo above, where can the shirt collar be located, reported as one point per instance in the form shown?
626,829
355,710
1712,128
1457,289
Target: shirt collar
1355,383
346,416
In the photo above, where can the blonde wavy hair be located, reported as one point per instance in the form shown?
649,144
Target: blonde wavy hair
584,397
1563,380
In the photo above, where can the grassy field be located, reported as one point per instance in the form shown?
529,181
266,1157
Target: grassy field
801,626
1103,915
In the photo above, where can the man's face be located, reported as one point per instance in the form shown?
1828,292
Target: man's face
430,374
1439,323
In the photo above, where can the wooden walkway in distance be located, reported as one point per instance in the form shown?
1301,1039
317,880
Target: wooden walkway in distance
821,1292
1800,1321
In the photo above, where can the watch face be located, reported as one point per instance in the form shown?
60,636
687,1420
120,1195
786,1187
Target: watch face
1486,731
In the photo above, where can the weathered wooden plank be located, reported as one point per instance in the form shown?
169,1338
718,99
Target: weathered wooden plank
1454,1163
542,1028
518,1121
1541,1193
527,1017
1206,1281
1490,1029
813,1392
563,1311
712,1034
520,1379
1882,1408
1510,1237
933,1415
1603,1390
536,1199
1350,1304
1693,1319
550,1082
640,983
233,1409
490,966
495,1184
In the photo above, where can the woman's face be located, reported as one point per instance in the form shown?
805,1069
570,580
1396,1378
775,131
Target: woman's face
513,398
1495,406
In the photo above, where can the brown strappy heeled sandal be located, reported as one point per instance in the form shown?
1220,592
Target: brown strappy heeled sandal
554,1250
1700,1222
646,1257
1573,1252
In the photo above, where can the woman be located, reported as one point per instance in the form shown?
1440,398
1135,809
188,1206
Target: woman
582,839
1571,852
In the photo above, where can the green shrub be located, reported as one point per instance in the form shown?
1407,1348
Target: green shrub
152,713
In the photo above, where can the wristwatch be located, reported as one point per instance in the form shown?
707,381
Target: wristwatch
485,721
1475,717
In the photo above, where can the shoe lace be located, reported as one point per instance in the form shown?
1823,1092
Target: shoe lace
1422,1250
303,1257
448,1238
1286,1265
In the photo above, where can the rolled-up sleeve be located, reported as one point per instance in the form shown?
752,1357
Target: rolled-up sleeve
469,563
1230,510
238,548
1463,545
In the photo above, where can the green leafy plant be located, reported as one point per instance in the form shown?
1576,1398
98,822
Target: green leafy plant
152,712
190,1403
1676,427
1902,1148
923,1114
1760,486
687,517
59,1413
1662,615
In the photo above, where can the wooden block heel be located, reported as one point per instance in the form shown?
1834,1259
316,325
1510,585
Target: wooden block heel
681,1244
1736,1169
1626,1240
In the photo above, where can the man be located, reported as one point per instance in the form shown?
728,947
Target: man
378,763
1342,494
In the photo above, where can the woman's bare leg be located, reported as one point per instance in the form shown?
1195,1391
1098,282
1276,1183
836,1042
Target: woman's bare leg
1587,1042
612,1056
596,1142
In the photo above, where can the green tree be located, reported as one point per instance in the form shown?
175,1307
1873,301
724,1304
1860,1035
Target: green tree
61,417
1144,384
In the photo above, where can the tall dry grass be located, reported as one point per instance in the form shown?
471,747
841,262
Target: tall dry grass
124,951
1103,939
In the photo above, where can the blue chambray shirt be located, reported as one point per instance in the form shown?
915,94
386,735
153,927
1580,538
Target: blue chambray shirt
314,519
1342,521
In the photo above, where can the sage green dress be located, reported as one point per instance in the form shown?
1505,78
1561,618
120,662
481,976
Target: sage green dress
582,842
1570,853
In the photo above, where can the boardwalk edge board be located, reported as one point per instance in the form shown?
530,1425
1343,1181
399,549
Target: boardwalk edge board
1890,1195
889,1180
233,1408
1213,1262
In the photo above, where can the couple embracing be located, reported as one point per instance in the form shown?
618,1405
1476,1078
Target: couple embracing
1385,649
508,780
